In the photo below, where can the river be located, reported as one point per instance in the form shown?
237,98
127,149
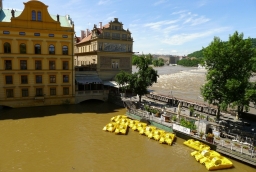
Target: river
70,139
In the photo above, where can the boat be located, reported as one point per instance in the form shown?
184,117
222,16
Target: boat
138,126
125,121
204,154
121,129
196,145
157,134
167,138
141,125
110,127
217,163
142,130
117,118
133,122
149,129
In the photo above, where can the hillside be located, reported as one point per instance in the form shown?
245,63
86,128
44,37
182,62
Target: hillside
199,53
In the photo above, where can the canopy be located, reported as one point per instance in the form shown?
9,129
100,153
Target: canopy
112,84
88,79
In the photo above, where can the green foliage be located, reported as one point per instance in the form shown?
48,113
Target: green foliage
151,110
229,67
189,62
148,57
158,62
138,82
197,54
188,124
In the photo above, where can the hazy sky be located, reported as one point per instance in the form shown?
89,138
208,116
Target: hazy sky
177,27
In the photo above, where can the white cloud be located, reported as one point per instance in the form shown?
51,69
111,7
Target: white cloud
158,25
180,39
102,2
179,12
160,2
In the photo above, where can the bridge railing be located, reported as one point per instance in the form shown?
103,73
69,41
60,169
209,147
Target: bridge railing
91,92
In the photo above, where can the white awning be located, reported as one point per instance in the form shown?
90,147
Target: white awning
88,79
112,84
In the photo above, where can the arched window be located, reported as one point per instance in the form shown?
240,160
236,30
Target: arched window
37,49
7,47
51,49
65,50
34,15
23,49
39,16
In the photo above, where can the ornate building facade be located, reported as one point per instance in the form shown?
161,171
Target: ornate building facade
99,55
36,57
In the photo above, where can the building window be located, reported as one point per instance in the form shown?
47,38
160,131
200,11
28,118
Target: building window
39,79
52,65
51,49
36,34
9,93
52,91
37,49
65,78
65,65
106,34
39,16
115,36
6,32
65,90
24,79
23,49
124,36
114,64
64,36
65,50
24,92
8,79
22,33
39,92
52,78
8,64
51,35
33,15
38,65
7,47
23,65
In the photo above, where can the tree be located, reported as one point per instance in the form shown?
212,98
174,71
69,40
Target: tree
229,66
138,82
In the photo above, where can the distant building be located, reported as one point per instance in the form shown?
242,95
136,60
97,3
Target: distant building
36,66
169,59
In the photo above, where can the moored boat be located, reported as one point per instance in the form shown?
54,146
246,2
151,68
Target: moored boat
167,138
133,122
199,155
157,134
149,129
117,118
110,127
121,129
217,163
196,145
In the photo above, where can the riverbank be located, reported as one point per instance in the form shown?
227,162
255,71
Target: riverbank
242,151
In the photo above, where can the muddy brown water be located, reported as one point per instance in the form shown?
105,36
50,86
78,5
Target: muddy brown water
71,139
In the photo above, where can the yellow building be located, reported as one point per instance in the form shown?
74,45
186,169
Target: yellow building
99,55
36,57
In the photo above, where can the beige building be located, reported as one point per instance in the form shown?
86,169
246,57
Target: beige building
36,57
99,55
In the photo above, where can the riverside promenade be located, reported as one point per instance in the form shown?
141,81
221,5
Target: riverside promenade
227,143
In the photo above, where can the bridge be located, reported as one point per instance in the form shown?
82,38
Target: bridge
91,94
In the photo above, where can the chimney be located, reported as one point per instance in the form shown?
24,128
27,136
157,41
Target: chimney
100,25
87,32
1,4
82,34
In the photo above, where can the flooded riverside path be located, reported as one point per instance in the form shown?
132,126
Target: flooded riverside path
70,138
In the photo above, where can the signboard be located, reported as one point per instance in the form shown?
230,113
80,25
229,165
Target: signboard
181,128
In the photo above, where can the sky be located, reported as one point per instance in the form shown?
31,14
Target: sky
176,27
